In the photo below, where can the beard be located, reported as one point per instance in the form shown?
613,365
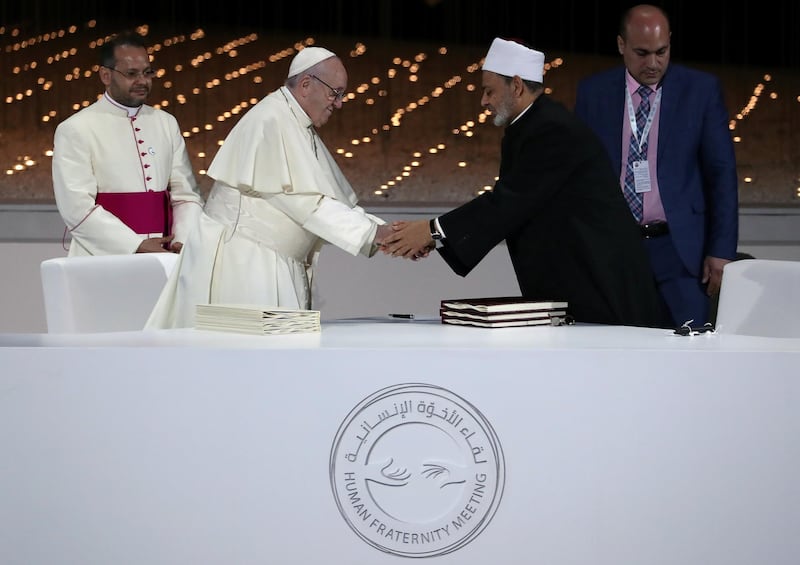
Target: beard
502,113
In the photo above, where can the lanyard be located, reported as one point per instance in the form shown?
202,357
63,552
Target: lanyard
650,117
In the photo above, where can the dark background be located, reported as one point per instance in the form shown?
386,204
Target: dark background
755,33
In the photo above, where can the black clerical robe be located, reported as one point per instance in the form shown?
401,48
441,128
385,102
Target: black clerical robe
559,207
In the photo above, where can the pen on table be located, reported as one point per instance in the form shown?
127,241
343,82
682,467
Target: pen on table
402,316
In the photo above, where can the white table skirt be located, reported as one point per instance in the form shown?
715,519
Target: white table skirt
376,440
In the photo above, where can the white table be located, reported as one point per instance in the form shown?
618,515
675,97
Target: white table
377,439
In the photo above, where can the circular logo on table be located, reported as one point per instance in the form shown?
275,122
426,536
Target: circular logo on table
416,470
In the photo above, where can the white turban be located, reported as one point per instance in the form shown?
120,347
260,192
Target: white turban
307,58
509,58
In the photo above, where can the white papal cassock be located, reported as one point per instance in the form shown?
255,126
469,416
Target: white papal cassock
278,197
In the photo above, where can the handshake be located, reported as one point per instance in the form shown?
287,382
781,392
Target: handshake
404,238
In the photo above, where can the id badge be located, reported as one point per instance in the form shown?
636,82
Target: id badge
641,176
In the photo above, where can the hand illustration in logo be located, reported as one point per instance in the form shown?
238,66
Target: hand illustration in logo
385,474
447,472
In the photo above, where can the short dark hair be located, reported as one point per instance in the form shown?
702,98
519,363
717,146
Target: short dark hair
124,39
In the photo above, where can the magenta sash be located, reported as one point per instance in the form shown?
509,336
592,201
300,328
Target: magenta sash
143,212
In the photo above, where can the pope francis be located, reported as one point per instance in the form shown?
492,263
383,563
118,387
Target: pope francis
278,196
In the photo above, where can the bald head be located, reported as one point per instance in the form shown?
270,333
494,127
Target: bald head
643,16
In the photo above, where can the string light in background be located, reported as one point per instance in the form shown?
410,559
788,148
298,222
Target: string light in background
210,94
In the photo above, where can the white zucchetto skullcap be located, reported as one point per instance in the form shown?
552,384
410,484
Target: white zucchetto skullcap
307,58
509,58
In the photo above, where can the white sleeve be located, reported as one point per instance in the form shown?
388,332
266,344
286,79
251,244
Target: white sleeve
350,229
187,204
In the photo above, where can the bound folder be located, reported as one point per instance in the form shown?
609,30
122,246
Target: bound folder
503,312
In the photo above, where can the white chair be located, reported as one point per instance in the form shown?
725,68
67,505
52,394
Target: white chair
103,293
760,297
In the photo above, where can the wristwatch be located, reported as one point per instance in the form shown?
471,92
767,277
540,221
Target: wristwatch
435,233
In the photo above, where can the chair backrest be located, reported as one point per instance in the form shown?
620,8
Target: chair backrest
760,297
103,293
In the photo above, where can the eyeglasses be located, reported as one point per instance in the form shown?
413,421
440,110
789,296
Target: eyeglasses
133,74
335,93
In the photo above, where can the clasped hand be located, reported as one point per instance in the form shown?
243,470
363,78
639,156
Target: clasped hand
159,245
407,239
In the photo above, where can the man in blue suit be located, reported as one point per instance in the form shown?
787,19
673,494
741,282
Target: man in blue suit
672,147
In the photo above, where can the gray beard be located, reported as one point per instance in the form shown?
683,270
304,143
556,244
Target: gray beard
502,114
500,119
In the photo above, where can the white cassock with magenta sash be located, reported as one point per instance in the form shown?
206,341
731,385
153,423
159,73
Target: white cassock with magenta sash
102,152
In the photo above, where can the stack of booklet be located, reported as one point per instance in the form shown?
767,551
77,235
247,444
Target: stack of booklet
255,319
503,312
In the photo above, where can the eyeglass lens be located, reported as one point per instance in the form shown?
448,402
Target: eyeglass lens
335,93
133,74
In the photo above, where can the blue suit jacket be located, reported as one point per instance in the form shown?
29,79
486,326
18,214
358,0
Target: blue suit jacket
697,176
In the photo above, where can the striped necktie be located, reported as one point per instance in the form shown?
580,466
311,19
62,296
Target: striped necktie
635,153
